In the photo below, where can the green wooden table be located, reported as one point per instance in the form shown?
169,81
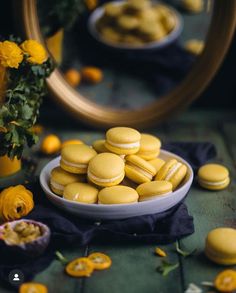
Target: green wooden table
134,266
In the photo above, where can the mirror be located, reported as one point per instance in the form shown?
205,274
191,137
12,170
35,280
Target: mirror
135,75
140,47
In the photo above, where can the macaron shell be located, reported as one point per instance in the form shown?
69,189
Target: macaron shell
80,153
210,174
108,184
123,135
81,192
165,169
99,146
178,176
117,195
213,172
76,154
149,146
214,187
135,175
71,141
153,188
220,245
140,163
220,260
106,166
157,163
63,177
56,191
148,156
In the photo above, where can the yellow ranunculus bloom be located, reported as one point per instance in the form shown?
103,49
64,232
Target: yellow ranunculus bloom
37,53
15,202
10,54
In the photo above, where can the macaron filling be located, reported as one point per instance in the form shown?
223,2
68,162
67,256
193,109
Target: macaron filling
213,183
146,198
76,165
173,170
102,180
124,145
56,185
144,172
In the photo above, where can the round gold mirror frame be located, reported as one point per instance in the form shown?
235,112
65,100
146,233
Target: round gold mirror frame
218,40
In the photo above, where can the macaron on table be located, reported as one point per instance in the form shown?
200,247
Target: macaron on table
123,157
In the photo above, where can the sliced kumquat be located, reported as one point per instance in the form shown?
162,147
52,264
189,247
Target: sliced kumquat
80,267
225,281
33,287
100,261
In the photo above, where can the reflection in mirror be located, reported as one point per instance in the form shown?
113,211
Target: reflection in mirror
125,54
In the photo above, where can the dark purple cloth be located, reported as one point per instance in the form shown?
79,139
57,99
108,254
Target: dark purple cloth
160,228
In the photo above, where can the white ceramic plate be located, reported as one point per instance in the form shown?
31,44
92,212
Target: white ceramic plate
117,211
170,38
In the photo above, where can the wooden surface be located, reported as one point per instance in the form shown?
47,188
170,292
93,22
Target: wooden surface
134,266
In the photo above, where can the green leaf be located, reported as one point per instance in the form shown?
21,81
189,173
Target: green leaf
26,112
182,252
61,257
165,268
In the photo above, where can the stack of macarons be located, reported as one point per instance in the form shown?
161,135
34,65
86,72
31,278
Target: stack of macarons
120,169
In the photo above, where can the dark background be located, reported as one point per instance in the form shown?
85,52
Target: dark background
221,92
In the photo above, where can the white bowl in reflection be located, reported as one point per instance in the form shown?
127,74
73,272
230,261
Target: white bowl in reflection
167,40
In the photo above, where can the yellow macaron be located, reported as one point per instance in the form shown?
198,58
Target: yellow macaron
138,170
81,192
213,177
172,171
123,140
220,246
149,147
71,141
154,189
59,178
75,158
106,169
157,163
117,195
99,146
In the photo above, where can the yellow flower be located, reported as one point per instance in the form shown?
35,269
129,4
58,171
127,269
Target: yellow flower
37,53
91,4
15,202
10,54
